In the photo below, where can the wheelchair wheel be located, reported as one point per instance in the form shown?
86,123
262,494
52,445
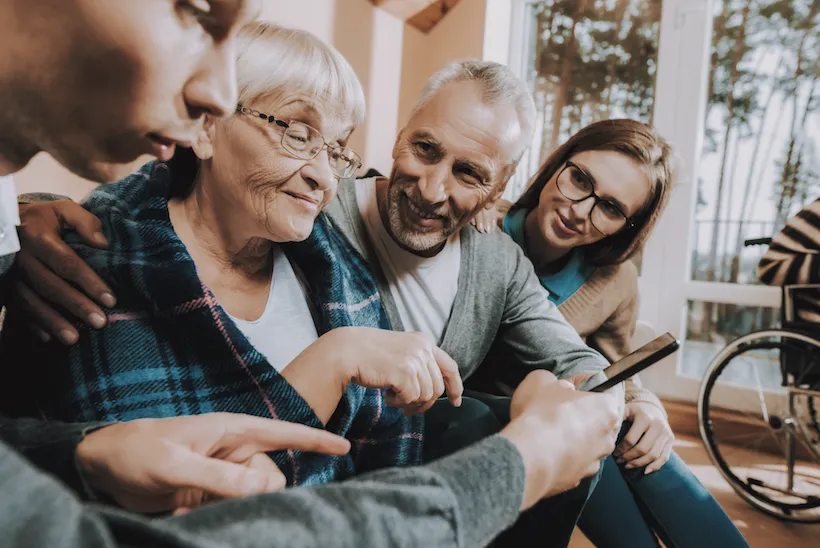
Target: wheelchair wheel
758,418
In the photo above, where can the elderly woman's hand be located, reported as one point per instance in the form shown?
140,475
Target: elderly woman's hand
413,370
52,281
649,440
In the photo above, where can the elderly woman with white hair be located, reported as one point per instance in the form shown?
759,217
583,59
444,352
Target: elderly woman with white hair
217,311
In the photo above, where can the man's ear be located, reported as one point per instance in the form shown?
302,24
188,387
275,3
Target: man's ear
496,195
396,144
204,144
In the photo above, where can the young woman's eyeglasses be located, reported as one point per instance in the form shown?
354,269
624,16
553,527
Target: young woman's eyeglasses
305,142
575,185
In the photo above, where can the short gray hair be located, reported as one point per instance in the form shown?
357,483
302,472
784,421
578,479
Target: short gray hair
499,86
273,59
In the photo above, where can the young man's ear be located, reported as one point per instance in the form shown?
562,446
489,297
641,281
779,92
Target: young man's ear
204,145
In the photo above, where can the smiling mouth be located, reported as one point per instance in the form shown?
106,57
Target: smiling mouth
420,212
567,226
303,197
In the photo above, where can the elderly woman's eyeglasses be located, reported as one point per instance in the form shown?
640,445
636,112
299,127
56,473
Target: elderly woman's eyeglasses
305,142
607,217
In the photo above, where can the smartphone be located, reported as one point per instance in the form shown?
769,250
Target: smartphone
637,361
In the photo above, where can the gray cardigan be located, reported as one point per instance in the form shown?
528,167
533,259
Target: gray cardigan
499,301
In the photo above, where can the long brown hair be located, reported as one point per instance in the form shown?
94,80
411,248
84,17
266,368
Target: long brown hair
638,141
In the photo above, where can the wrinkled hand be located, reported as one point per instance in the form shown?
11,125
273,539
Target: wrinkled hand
157,465
487,220
52,281
649,440
414,371
562,434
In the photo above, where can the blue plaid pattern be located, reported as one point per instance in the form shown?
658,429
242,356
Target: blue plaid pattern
170,349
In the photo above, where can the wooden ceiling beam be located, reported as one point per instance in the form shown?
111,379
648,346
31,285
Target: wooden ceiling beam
403,9
421,14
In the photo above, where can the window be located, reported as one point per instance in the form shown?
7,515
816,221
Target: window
585,60
710,326
760,161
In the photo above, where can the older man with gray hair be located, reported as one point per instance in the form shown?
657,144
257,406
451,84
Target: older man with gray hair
438,276
467,291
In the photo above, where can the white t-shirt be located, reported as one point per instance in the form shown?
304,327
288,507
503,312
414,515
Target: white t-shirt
424,288
9,216
286,326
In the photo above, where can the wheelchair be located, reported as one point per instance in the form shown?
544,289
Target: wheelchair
768,447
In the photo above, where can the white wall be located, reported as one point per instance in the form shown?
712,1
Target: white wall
459,35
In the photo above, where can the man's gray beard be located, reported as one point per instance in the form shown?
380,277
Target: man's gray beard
410,239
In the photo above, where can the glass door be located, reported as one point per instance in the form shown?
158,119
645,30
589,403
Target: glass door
755,163
733,84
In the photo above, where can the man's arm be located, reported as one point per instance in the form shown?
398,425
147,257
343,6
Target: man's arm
555,438
463,500
538,334
50,445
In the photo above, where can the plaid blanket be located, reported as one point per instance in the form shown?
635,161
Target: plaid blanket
170,349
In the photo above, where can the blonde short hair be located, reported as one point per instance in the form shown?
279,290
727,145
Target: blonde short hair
272,59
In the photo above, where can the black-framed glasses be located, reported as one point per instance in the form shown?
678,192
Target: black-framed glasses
575,185
306,142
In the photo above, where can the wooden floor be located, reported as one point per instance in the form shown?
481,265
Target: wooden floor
760,530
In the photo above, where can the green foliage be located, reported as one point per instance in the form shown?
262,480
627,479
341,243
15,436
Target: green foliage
594,59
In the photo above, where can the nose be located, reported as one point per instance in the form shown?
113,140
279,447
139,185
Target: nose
318,174
212,89
433,185
582,210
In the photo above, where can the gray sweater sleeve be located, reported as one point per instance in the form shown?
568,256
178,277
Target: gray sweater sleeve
462,500
51,446
538,334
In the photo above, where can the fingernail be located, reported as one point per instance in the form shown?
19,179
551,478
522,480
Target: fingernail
629,466
647,472
107,299
97,321
68,337
99,237
43,336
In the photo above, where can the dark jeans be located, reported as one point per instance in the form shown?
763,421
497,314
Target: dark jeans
628,509
549,523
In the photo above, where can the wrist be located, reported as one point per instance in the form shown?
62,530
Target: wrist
88,467
522,433
343,368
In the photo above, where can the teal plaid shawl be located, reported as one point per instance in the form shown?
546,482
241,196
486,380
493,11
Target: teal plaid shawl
170,349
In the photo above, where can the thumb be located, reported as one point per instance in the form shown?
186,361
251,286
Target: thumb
218,477
81,221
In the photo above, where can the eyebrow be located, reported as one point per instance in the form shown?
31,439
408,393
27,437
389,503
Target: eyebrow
313,117
481,170
483,173
591,177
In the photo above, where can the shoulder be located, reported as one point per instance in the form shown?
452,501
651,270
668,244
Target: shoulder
494,248
496,259
610,292
622,277
133,213
145,189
